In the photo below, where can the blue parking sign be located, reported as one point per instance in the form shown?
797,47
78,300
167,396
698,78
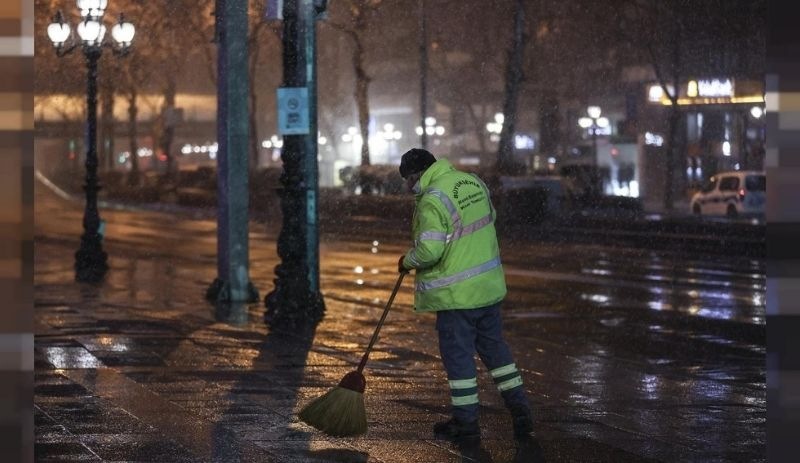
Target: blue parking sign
293,111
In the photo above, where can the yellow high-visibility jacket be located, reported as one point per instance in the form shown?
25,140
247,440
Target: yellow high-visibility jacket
455,253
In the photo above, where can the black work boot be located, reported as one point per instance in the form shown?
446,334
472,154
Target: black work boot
454,429
523,423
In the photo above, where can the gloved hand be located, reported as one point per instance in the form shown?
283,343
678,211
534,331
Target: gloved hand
400,267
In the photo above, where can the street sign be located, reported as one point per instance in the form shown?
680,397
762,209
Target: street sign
293,111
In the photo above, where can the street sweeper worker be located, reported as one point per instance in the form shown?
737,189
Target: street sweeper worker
458,275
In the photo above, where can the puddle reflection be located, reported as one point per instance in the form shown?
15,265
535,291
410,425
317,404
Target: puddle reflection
71,357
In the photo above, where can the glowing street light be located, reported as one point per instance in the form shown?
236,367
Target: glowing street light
593,122
495,127
90,260
431,128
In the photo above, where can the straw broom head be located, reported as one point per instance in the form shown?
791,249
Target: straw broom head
340,412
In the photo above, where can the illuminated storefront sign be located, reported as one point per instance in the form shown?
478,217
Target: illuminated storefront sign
656,92
709,91
523,142
714,88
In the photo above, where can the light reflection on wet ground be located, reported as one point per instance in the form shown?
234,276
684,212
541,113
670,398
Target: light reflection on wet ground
627,355
731,294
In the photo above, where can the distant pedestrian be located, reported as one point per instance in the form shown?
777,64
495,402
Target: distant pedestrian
460,277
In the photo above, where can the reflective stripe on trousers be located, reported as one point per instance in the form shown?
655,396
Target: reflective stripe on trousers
463,391
506,377
461,334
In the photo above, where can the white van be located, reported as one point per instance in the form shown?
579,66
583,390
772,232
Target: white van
732,194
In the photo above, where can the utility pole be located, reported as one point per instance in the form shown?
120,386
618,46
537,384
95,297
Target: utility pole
423,73
296,301
233,281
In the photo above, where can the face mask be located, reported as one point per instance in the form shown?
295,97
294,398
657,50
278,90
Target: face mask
417,189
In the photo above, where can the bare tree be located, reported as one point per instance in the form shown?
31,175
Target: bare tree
107,87
133,129
466,68
135,72
262,35
52,74
173,44
659,28
464,90
569,48
686,37
356,26
514,77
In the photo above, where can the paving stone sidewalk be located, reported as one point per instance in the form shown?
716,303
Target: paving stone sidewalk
141,368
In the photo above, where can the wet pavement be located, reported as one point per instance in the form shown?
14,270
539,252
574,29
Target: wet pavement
627,354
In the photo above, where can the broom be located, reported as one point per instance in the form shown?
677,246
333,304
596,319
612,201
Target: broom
340,412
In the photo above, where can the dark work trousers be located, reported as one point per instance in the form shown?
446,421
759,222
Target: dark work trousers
461,334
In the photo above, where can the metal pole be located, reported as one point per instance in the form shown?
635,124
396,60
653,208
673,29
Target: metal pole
745,152
423,72
597,174
296,300
233,282
90,259
312,147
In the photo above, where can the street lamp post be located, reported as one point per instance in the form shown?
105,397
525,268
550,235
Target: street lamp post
90,259
296,301
750,160
593,122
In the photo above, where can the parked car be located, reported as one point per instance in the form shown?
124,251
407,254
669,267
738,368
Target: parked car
732,194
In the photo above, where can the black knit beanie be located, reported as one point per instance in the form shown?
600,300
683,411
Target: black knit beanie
415,160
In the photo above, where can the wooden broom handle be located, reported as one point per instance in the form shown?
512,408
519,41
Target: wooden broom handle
380,323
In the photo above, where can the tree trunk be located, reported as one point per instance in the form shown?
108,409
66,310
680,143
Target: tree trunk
549,125
674,114
133,110
674,119
107,126
362,100
505,152
423,74
478,126
168,123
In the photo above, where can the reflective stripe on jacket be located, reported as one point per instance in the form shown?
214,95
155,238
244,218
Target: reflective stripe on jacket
455,253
